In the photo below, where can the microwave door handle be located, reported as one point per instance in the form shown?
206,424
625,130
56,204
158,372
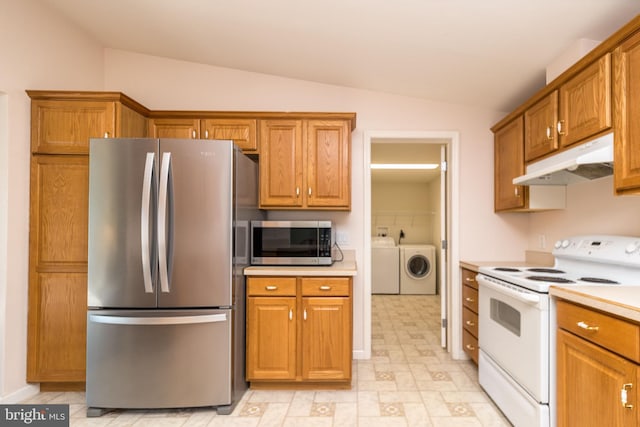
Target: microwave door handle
163,219
145,209
520,296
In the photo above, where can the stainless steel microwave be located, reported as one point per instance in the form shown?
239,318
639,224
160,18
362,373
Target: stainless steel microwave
291,243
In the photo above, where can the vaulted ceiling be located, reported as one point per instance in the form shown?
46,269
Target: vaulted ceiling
490,53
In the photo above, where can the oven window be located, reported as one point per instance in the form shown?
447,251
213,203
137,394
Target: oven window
505,315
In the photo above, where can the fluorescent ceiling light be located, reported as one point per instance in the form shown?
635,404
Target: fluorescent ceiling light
405,166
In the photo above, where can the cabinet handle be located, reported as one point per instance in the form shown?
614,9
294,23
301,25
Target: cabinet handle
587,327
271,288
106,134
469,279
623,395
304,314
467,299
325,288
206,134
290,314
549,133
516,191
193,134
309,191
470,323
470,347
560,126
297,191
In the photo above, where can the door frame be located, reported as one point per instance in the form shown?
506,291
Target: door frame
454,312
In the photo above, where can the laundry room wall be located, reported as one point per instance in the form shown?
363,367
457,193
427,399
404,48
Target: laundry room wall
405,206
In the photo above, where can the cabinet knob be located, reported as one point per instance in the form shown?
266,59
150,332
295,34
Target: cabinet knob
470,279
271,288
623,396
470,323
325,288
470,347
467,299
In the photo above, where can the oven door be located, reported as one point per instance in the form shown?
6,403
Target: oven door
514,333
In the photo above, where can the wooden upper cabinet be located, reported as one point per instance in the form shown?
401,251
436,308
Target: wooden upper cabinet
328,164
540,121
174,128
243,132
305,164
585,103
509,163
626,62
281,163
63,122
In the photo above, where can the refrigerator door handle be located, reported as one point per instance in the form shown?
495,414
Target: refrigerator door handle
145,209
162,222
171,320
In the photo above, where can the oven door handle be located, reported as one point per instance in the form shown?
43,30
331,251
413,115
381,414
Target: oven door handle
528,298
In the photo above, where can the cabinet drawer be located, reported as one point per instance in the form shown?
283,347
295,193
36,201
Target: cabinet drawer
470,345
266,286
617,335
470,298
469,278
470,321
326,286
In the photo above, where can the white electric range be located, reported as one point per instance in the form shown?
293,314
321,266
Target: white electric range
517,320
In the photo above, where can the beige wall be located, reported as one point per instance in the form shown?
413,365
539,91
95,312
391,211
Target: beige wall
37,51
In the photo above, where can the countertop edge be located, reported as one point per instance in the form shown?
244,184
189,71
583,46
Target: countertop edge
596,297
345,268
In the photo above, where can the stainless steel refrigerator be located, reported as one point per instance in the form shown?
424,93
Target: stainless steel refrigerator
168,241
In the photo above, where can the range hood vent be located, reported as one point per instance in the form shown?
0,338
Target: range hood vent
588,161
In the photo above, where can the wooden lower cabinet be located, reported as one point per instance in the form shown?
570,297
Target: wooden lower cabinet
470,314
299,332
596,385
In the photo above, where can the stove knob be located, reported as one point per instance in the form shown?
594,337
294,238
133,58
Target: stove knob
557,244
632,247
565,244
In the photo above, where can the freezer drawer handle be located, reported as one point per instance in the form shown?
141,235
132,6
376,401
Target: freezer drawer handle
162,222
145,209
172,320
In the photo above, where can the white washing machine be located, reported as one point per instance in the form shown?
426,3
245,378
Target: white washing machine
385,266
417,269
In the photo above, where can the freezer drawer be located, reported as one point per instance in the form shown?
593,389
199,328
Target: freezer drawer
159,358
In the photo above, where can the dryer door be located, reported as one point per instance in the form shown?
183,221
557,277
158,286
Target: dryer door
418,266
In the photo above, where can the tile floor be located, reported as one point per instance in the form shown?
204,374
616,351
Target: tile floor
409,381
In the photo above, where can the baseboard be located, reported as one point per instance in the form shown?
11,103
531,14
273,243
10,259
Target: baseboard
361,355
21,395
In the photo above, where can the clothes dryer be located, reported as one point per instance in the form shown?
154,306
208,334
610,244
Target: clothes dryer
418,269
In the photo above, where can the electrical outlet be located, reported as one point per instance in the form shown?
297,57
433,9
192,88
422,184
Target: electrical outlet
542,241
342,237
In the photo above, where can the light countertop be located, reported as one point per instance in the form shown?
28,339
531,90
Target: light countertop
619,300
346,267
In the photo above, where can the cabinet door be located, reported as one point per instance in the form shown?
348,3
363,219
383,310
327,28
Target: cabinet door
540,128
326,338
281,163
509,163
64,127
627,126
271,338
328,164
590,381
130,123
174,128
57,268
585,103
241,131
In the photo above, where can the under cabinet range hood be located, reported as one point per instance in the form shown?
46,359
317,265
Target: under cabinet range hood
588,161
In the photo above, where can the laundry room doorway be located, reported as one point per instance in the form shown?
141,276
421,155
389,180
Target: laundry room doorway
408,204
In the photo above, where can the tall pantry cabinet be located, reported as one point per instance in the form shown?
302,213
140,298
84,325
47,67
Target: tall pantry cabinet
61,125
